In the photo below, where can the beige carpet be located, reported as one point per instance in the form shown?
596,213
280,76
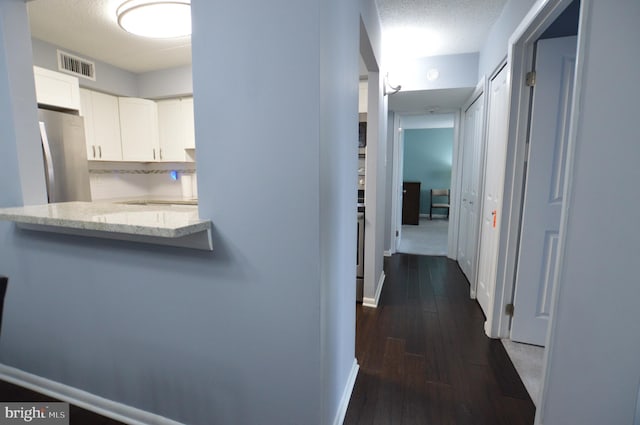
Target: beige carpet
430,237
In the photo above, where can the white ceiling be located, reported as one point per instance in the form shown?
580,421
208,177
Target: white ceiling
89,27
436,27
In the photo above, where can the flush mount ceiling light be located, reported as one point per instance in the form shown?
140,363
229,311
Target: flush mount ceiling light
156,18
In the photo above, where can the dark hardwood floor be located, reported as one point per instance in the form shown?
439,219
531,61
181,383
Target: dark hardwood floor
77,416
424,357
423,354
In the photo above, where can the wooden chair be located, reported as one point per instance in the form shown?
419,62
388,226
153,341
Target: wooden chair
440,193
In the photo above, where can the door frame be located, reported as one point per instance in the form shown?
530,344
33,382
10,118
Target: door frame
455,188
519,62
396,186
396,194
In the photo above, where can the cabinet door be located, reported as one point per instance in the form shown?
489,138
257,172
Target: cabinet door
106,124
101,125
86,112
190,140
172,130
56,89
139,129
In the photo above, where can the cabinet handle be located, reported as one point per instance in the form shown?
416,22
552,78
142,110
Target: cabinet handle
154,153
100,151
93,147
160,153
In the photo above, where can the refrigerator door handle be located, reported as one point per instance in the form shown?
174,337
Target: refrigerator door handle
47,157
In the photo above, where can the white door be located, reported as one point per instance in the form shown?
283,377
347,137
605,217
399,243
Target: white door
550,112
496,154
472,140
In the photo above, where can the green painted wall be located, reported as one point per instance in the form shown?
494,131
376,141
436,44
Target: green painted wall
428,155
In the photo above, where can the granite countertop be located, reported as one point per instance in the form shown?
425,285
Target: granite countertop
111,218
167,221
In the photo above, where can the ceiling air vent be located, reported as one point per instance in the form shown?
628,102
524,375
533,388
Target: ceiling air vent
76,65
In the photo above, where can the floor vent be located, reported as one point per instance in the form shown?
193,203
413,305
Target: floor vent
76,65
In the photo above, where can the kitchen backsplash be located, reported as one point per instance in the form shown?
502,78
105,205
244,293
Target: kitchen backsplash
130,180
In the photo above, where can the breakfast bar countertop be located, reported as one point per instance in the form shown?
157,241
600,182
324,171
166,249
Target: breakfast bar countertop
157,223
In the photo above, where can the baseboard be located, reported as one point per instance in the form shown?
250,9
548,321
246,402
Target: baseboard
102,406
373,302
388,253
346,394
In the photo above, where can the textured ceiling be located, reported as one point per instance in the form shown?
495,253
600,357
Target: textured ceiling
430,27
437,27
89,27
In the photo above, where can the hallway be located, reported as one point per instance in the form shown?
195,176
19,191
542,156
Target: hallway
424,357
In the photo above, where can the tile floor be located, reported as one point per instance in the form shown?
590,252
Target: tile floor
427,238
527,360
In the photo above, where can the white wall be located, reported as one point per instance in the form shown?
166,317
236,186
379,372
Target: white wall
109,78
494,50
455,71
375,184
593,357
258,331
427,121
19,111
338,148
164,83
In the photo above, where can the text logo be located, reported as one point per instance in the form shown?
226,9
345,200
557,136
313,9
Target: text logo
34,413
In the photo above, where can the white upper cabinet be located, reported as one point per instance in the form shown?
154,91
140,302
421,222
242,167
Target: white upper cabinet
187,111
139,129
175,127
102,125
363,98
56,89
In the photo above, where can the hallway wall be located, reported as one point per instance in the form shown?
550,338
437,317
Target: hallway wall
495,47
259,331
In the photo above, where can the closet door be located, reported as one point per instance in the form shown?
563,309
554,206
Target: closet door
471,179
495,163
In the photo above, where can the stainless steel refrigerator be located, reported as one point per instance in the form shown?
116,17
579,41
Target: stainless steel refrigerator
65,156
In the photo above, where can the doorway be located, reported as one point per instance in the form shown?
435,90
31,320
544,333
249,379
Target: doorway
426,165
543,65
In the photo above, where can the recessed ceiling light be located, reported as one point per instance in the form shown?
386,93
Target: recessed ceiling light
156,18
433,74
